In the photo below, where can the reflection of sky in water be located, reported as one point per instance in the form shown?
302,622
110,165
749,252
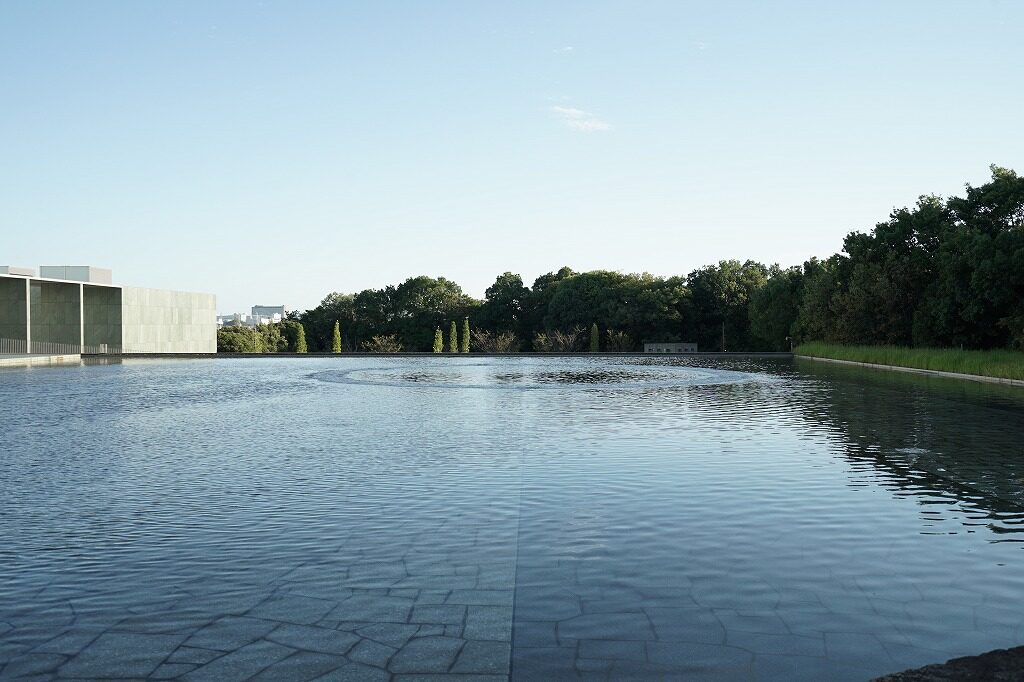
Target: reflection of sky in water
646,517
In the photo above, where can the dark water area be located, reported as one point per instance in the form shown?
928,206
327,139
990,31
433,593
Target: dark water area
532,518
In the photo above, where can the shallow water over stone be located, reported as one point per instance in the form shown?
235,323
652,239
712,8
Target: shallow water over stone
593,518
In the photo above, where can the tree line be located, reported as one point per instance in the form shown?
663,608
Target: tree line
941,273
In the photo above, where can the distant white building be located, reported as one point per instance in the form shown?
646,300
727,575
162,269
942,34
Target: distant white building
670,347
268,313
261,314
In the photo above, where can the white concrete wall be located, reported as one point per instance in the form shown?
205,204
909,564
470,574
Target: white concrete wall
163,321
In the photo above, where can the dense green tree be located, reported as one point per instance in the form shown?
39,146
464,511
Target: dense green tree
595,339
271,340
464,343
721,295
942,272
238,340
438,341
293,332
504,305
336,338
774,308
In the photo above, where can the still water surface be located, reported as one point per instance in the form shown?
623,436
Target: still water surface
541,518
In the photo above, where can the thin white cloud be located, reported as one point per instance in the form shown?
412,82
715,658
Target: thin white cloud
565,50
580,120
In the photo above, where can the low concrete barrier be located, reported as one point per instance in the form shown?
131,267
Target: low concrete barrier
39,360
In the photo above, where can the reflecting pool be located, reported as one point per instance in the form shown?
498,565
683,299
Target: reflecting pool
539,518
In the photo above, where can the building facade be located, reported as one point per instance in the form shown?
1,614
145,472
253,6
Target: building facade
83,312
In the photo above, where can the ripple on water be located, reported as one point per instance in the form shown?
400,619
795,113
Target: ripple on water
528,374
643,518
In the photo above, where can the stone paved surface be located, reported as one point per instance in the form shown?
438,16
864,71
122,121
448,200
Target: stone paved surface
441,608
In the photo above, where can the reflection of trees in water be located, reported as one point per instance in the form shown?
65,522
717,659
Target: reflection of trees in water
931,437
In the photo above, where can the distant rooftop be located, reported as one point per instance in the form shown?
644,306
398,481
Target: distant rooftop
77,273
15,270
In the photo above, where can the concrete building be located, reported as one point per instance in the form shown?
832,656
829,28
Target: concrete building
275,313
667,347
81,311
261,314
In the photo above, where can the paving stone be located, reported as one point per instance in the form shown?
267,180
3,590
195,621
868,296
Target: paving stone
230,633
439,582
489,623
392,634
618,626
373,609
546,604
699,655
611,605
32,664
432,597
771,668
355,672
292,608
453,631
170,671
376,573
796,645
607,649
686,625
482,597
483,657
187,654
69,643
426,655
122,654
304,665
545,663
240,664
451,678
372,653
593,665
167,622
534,635
311,638
763,623
430,630
445,614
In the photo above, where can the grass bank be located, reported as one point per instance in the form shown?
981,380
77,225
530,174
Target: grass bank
1002,364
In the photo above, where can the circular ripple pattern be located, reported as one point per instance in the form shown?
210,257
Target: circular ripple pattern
531,374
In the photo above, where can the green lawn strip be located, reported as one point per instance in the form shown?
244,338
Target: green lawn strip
1004,364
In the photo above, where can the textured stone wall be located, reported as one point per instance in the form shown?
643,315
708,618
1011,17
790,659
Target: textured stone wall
162,321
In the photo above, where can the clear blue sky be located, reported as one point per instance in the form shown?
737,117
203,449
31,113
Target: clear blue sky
271,152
